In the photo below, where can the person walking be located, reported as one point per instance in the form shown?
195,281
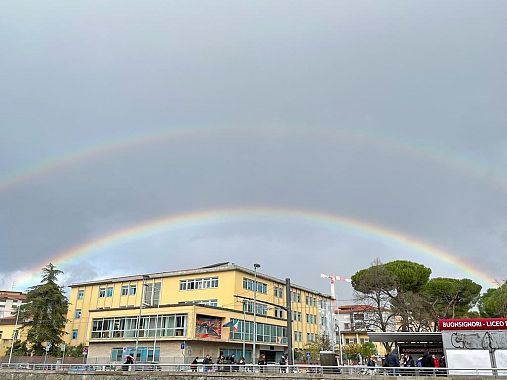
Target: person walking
193,365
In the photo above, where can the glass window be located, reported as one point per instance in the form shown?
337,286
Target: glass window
80,294
102,292
132,290
124,290
109,292
74,334
199,283
77,313
249,284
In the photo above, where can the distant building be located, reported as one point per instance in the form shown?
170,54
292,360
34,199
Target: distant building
9,302
355,323
183,315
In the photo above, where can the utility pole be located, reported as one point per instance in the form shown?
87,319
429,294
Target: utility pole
14,332
289,321
254,356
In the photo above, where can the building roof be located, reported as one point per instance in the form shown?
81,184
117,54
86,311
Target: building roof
345,309
209,269
10,295
405,337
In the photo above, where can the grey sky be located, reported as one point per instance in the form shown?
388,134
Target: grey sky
424,83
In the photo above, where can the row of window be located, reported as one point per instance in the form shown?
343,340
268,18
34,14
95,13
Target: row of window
143,354
310,318
148,326
265,333
248,307
249,284
296,316
199,283
311,337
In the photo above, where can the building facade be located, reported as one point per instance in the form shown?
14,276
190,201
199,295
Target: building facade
353,325
9,302
176,316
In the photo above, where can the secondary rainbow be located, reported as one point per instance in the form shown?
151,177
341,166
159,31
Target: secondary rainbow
230,215
467,165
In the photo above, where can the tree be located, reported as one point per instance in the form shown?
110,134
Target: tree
494,302
368,349
322,343
450,297
19,348
45,312
352,351
375,287
410,278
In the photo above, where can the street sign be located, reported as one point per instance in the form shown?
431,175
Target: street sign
85,350
62,347
182,346
48,346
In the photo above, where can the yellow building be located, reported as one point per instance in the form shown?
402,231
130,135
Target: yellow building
8,330
183,313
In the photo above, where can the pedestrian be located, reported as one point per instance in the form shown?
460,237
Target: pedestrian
283,363
193,365
129,360
436,362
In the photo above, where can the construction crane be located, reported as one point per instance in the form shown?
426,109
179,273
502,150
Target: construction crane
332,280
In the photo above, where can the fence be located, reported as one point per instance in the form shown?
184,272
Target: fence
250,368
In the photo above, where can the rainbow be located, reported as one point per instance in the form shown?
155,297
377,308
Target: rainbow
466,165
219,216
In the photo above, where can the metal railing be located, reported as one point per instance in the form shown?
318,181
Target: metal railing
251,368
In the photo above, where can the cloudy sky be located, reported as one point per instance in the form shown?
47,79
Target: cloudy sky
349,125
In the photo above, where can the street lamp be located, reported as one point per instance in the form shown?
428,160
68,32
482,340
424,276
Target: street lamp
145,277
254,357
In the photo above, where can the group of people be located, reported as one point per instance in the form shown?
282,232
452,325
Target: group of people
223,363
427,360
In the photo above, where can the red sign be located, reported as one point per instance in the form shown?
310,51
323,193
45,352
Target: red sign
473,324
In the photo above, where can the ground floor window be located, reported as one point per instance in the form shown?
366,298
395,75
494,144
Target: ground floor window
238,353
143,355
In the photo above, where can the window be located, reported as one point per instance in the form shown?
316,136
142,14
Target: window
250,285
278,312
199,283
152,294
310,318
128,327
125,290
248,307
298,336
1,332
311,301
144,354
265,333
77,313
74,334
132,290
102,292
296,316
278,292
310,337
109,292
80,294
295,297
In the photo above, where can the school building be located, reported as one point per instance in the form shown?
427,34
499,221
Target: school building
175,316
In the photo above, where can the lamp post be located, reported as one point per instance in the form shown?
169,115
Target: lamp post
14,334
254,356
145,277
